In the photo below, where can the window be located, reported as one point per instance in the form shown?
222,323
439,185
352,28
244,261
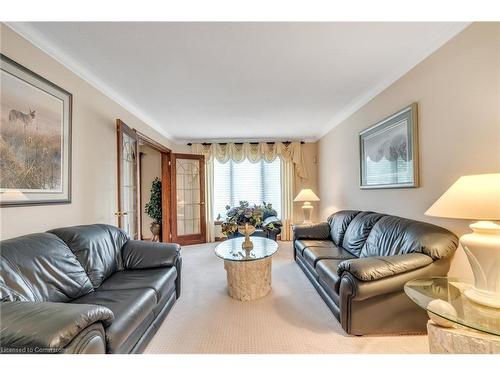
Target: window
253,182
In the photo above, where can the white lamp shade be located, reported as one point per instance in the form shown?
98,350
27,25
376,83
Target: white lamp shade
475,197
306,195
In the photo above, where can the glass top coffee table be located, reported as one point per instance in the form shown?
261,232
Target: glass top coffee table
248,271
444,297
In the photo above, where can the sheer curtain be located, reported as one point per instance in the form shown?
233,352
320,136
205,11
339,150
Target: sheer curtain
292,163
287,185
209,199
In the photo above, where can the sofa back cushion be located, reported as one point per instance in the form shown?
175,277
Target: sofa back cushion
40,268
392,235
97,247
339,222
358,230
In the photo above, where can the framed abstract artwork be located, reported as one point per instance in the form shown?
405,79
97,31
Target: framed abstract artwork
35,138
389,152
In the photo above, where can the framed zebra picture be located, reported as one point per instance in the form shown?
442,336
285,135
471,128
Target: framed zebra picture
35,138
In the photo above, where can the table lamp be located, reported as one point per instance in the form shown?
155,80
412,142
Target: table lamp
307,196
477,197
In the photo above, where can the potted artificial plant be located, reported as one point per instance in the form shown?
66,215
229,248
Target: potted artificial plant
153,209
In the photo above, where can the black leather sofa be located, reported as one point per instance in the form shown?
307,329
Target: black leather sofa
359,261
84,289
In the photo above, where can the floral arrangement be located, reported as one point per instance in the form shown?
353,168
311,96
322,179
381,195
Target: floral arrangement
246,213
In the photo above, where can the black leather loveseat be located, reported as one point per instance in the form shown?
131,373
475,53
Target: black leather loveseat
360,261
84,289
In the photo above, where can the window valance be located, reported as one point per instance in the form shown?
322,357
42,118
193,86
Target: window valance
223,152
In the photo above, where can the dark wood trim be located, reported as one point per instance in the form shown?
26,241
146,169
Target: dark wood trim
165,152
166,202
192,238
152,143
122,128
141,156
203,205
118,171
240,143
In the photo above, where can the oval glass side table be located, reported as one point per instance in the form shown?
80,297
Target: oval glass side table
458,325
455,306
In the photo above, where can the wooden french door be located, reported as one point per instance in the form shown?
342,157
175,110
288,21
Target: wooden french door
128,180
188,198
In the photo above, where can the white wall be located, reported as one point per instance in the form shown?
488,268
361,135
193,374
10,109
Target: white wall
458,94
94,148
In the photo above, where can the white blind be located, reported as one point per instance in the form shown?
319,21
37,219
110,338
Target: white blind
388,172
253,182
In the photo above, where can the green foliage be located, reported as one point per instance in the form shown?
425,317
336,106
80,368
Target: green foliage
153,207
268,210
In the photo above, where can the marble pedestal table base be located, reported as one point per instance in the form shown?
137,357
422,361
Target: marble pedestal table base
249,280
461,341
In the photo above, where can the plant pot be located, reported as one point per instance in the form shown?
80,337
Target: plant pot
156,230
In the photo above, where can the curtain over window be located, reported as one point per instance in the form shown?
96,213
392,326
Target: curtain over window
264,167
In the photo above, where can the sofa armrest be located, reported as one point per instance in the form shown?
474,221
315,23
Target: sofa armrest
46,327
320,231
376,268
144,254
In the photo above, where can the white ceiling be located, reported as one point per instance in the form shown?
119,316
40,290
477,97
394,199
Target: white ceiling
240,81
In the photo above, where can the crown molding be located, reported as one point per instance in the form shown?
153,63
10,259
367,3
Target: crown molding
38,40
451,31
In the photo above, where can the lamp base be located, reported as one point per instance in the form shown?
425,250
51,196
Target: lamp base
307,208
483,297
482,248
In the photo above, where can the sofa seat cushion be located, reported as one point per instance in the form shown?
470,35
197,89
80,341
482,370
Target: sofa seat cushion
327,272
309,270
133,310
314,254
300,245
160,280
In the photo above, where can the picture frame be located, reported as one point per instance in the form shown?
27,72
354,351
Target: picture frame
388,152
35,138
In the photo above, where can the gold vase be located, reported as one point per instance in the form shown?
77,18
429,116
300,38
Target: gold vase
247,231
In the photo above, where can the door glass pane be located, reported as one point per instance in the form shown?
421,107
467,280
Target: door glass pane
128,185
188,196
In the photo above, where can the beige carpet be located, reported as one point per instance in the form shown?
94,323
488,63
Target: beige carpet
291,319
